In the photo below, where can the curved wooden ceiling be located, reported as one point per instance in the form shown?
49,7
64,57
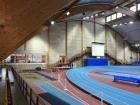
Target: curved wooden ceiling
20,18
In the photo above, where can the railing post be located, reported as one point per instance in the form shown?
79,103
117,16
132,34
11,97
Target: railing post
26,90
30,97
37,100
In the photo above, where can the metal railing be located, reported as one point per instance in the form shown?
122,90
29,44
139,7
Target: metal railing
8,93
28,92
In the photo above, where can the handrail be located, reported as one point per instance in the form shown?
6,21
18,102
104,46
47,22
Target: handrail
80,55
117,61
71,60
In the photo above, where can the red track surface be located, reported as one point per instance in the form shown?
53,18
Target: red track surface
63,84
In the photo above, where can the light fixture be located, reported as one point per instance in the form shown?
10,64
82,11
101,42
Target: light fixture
117,7
115,25
92,16
120,24
96,14
103,13
52,22
84,18
67,13
131,22
125,23
87,17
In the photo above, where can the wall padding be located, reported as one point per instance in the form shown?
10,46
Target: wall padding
74,38
57,42
88,34
99,33
119,48
127,53
111,43
134,55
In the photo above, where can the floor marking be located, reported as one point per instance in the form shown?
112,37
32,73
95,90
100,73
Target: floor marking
66,89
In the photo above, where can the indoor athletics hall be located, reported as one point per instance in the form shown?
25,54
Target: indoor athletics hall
70,52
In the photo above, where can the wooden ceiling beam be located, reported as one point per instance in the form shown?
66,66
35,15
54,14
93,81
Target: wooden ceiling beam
23,17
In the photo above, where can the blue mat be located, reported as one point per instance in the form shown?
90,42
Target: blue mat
96,62
127,79
121,74
59,97
112,95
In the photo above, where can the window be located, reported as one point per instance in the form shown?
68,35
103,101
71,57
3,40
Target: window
108,18
138,6
133,8
113,16
119,15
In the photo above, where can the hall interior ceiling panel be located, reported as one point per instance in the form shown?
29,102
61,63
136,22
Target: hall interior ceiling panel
20,18
96,1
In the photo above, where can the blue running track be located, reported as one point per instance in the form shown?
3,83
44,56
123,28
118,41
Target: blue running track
56,96
112,95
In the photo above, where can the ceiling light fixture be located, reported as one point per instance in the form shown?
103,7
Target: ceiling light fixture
117,7
52,22
68,13
120,24
92,16
125,23
87,17
84,18
115,25
103,13
96,14
131,22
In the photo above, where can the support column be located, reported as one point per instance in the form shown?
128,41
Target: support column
81,42
106,35
48,54
94,29
66,39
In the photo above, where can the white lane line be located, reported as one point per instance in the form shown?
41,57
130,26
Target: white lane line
66,89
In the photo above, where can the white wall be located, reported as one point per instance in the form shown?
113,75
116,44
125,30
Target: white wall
127,53
100,33
88,34
75,30
74,38
120,48
111,43
38,43
57,41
